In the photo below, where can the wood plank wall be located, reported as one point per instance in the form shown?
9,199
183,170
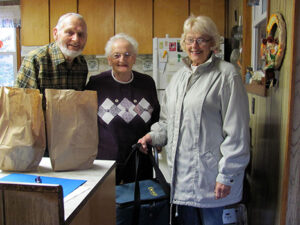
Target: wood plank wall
291,183
269,124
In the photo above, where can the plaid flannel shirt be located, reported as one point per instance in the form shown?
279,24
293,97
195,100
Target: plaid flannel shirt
46,67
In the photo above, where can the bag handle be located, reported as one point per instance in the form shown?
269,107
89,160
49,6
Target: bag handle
124,164
137,195
159,175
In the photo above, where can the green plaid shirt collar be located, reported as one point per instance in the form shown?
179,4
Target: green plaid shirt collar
56,54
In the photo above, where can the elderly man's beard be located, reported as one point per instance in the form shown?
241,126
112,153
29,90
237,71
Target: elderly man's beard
68,53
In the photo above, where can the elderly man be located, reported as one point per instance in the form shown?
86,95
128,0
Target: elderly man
58,65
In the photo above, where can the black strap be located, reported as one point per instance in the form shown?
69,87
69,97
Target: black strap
137,196
159,176
123,165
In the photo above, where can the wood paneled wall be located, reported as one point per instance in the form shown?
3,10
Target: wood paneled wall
291,176
269,123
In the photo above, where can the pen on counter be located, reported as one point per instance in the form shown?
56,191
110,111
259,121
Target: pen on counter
38,179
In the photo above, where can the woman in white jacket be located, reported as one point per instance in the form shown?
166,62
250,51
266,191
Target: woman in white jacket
204,124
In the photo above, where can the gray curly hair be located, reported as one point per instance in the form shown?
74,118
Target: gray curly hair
131,40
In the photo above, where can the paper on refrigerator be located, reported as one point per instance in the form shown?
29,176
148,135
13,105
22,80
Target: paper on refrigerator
167,60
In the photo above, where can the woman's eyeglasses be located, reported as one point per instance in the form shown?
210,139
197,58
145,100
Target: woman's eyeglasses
118,55
199,41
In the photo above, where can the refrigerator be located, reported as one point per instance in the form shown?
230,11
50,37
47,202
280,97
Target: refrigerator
167,60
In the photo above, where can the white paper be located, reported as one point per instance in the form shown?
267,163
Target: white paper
229,216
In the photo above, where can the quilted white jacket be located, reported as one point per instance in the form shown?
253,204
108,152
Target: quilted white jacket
204,123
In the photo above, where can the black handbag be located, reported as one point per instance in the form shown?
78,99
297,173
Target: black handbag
144,202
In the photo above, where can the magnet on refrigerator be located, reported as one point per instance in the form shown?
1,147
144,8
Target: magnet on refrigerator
167,60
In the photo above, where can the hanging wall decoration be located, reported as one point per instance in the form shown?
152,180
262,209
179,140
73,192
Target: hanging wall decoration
273,46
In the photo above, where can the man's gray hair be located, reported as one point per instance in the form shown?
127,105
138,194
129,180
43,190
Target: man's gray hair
111,41
65,16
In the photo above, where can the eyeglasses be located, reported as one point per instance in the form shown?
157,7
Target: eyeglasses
118,55
199,41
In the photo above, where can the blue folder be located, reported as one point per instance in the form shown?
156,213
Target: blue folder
68,185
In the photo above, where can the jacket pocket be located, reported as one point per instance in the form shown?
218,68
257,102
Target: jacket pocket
209,161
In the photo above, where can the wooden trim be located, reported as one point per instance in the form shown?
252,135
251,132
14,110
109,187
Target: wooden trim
2,222
286,172
268,9
247,34
18,45
11,2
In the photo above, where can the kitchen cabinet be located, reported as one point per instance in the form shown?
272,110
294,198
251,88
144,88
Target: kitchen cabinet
99,16
57,9
215,9
169,16
141,19
34,22
135,17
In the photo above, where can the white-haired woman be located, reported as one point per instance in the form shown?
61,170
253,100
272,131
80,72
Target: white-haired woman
128,106
204,123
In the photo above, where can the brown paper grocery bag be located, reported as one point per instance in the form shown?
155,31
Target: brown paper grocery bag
22,129
72,131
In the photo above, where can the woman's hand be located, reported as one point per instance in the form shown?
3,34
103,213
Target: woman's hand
221,190
144,141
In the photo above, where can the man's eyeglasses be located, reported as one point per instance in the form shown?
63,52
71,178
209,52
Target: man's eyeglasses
199,41
118,55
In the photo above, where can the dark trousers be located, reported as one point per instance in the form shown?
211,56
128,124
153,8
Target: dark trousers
188,215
